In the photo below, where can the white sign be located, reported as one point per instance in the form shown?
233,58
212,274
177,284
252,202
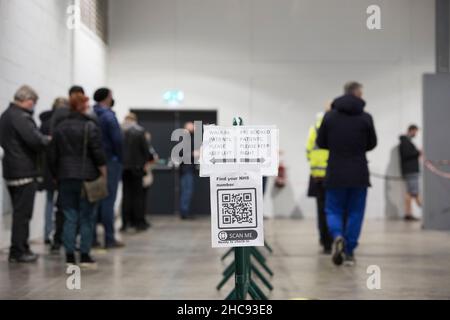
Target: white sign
238,148
237,209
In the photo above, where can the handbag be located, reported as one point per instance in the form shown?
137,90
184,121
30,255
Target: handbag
97,189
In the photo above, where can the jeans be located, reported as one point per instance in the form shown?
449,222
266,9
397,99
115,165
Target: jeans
78,211
187,190
106,209
22,199
49,206
346,200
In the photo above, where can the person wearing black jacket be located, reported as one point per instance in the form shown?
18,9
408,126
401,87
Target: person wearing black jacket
21,142
409,163
136,155
48,183
72,166
348,133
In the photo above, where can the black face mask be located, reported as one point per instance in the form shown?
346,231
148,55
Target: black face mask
113,102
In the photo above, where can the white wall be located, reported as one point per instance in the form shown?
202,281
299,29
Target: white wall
37,48
276,62
90,59
34,50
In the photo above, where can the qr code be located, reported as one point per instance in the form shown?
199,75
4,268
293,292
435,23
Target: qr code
237,208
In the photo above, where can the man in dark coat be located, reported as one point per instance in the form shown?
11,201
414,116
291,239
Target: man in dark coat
348,133
22,142
409,163
136,155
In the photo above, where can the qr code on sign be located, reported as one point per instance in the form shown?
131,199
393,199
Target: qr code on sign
237,208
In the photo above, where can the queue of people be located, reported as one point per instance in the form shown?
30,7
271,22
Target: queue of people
79,152
77,157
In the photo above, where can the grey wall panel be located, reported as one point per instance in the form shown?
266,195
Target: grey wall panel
436,115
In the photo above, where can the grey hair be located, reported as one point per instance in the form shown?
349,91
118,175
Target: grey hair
59,103
351,86
25,93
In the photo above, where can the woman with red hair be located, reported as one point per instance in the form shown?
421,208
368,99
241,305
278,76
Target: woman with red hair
77,156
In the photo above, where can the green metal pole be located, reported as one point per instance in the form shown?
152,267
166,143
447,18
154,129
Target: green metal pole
268,247
242,272
232,295
262,278
226,277
265,267
227,254
227,269
254,286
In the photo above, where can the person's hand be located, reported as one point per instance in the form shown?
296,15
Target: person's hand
103,171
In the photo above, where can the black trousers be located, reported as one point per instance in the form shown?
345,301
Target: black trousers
59,222
325,237
22,199
133,198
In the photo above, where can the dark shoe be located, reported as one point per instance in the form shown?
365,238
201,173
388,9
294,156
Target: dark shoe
326,251
70,259
142,227
86,261
349,260
338,251
96,245
24,258
187,218
411,218
115,245
55,248
47,242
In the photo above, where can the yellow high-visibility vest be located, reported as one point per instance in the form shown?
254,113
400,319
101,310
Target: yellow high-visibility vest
318,158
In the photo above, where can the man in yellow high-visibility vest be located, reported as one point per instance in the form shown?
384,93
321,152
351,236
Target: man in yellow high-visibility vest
318,159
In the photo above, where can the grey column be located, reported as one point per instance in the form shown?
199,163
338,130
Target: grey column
436,141
442,36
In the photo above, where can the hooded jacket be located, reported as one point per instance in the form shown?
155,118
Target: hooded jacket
409,156
348,133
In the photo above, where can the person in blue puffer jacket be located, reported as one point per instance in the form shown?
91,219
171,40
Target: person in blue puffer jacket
112,142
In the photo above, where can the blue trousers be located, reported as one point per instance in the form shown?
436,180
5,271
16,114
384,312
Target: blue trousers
338,201
77,212
106,208
187,190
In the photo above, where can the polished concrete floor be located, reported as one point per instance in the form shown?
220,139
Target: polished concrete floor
174,260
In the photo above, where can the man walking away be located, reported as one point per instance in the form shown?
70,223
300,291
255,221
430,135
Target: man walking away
409,162
318,159
348,133
22,142
112,145
136,156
